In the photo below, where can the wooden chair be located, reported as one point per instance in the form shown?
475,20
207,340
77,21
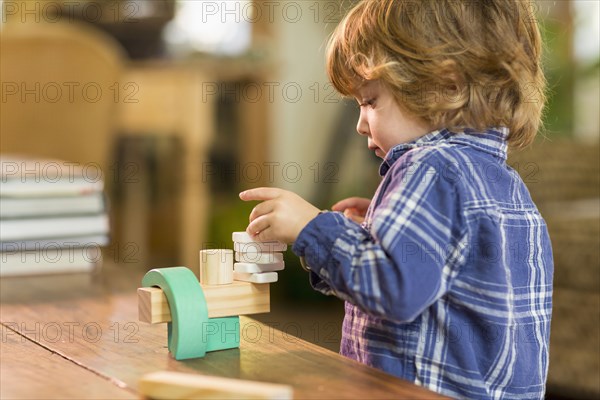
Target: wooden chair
563,177
60,90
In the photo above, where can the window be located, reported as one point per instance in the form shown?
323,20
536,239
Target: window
217,27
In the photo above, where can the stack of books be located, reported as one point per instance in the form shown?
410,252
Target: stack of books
53,216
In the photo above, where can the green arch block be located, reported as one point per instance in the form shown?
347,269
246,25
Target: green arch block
191,333
189,314
221,333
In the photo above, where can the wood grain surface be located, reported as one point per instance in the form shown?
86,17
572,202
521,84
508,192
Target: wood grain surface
30,371
90,323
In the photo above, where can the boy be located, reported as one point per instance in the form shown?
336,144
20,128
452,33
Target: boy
448,279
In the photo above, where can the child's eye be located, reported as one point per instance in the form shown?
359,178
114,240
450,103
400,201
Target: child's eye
365,103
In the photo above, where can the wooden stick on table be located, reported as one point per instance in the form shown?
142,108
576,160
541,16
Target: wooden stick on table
177,385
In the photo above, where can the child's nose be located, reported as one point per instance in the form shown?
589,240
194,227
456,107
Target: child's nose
362,127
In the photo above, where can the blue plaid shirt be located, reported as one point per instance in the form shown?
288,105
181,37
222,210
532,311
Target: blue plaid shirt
448,282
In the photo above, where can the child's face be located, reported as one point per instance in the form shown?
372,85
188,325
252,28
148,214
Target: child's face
382,120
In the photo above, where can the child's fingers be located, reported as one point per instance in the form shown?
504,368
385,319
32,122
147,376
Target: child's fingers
354,215
351,202
357,218
265,235
342,205
350,212
262,193
258,225
261,209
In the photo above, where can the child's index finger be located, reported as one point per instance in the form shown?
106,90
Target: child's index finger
262,193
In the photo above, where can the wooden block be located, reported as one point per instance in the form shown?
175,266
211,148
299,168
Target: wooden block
216,266
259,247
264,277
177,385
237,298
259,258
253,268
153,307
244,237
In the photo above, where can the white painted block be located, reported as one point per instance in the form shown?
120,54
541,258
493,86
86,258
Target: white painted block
265,277
216,266
244,237
259,247
253,268
259,258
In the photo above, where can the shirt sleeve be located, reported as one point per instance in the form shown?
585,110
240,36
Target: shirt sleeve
406,260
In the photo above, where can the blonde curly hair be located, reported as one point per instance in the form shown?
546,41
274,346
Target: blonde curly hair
453,63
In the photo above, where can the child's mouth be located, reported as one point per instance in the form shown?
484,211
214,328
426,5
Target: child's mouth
378,151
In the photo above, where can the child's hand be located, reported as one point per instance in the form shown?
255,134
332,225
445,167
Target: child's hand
354,208
281,216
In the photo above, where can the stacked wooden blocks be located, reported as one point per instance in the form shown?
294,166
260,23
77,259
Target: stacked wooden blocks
204,316
226,290
256,261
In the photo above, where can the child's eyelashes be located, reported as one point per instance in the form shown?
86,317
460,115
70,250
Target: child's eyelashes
366,103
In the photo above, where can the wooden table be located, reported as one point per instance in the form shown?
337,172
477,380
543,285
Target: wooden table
77,336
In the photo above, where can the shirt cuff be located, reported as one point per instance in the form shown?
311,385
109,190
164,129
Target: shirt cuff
318,236
314,246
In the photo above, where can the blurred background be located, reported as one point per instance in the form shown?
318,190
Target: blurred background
184,103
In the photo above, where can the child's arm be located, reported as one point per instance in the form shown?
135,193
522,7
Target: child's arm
416,243
399,268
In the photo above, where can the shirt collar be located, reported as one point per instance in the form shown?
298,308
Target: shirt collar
492,141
